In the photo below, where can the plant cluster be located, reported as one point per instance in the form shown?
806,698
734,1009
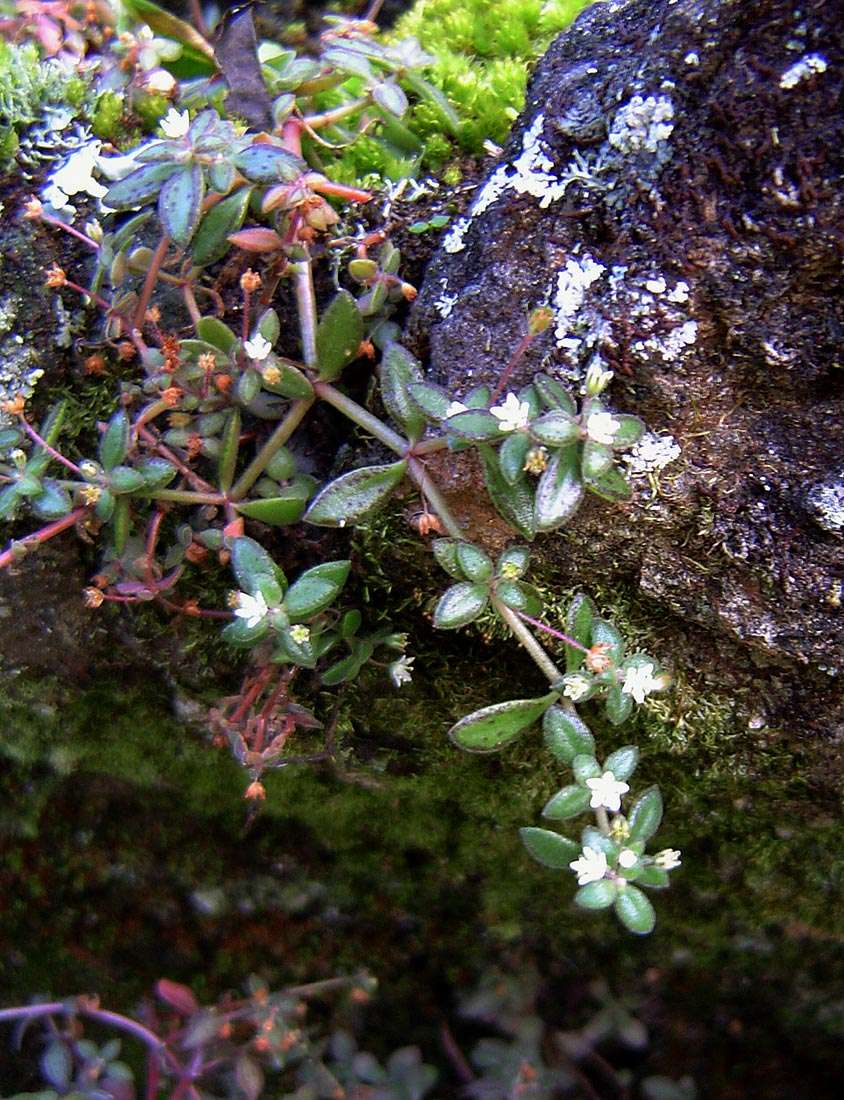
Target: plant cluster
200,460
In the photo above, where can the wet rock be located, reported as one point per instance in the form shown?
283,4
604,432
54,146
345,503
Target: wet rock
674,192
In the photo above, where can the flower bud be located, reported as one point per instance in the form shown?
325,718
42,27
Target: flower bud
540,320
597,379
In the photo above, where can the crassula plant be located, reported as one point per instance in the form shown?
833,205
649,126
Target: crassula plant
195,475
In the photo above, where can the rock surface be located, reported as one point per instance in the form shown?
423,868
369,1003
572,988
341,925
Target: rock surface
674,192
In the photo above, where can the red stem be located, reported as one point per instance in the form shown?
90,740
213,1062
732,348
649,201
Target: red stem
38,537
149,282
550,630
515,359
33,435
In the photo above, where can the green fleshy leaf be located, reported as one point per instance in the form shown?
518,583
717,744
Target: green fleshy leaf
53,503
511,456
355,495
610,485
594,838
156,472
49,430
579,618
605,633
513,502
316,589
167,25
460,604
597,459
555,429
211,241
549,848
282,466
622,763
10,498
139,187
629,433
389,96
514,557
596,895
255,570
491,728
124,479
262,162
221,177
474,563
104,507
229,447
475,424
619,705
568,802
445,551
432,400
559,491
520,597
398,370
655,878
274,511
635,911
293,383
248,387
115,441
237,633
585,766
338,337
645,814
554,394
180,204
120,518
212,331
566,735
269,325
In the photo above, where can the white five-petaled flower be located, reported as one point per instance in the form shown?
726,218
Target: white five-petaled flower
300,634
590,866
400,672
512,415
639,681
597,380
667,859
454,408
175,124
607,791
257,348
627,858
576,686
251,608
601,427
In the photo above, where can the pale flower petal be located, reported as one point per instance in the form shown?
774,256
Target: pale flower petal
512,415
251,608
601,427
257,348
175,124
607,791
400,671
590,866
639,681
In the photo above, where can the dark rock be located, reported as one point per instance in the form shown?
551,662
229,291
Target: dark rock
674,191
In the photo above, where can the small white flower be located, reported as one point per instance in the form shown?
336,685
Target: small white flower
607,791
590,866
257,348
300,634
159,80
74,177
454,408
640,681
251,608
597,379
576,686
627,858
400,670
175,124
512,415
667,859
601,427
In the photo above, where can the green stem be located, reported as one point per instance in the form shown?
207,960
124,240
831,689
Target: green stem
362,418
430,446
307,310
526,639
185,496
295,415
603,820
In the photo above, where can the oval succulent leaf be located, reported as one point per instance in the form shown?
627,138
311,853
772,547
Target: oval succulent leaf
554,394
549,848
611,485
579,618
140,186
115,441
475,424
274,511
560,490
434,401
355,495
398,370
654,878
513,558
520,597
511,456
596,895
460,604
316,589
645,814
180,203
568,802
53,503
262,162
622,763
491,728
445,551
474,562
630,431
513,502
253,567
338,336
555,429
635,911
618,706
213,331
566,735
211,240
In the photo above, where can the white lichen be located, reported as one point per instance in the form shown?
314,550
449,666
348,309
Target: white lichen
807,66
826,502
642,124
671,346
446,302
74,176
454,240
573,281
652,453
19,369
